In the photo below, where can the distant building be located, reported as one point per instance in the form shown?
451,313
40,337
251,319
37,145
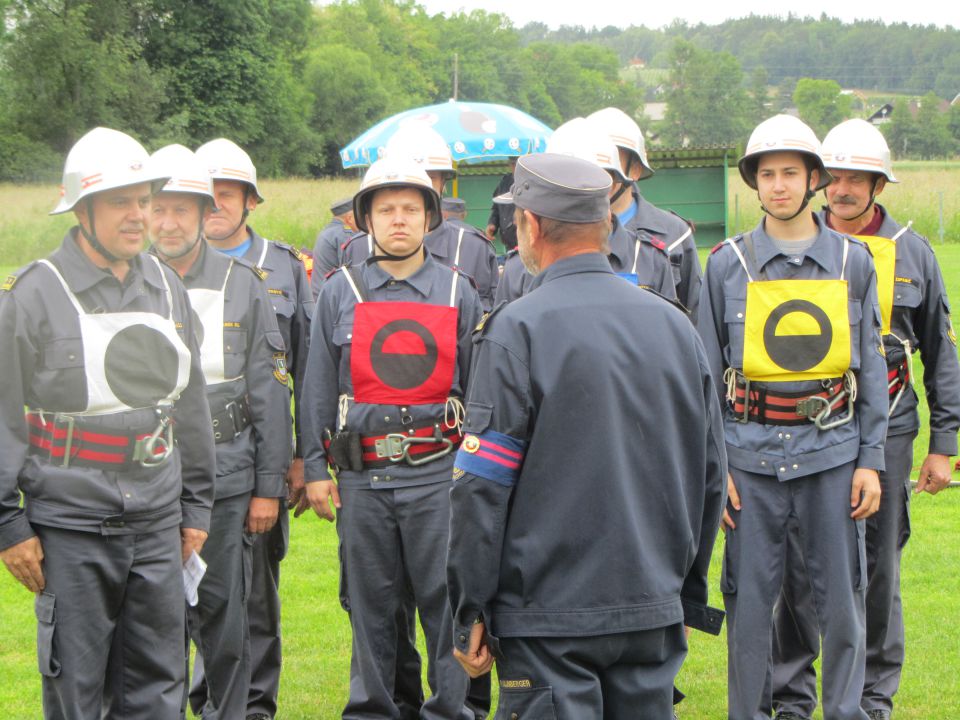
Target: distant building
881,115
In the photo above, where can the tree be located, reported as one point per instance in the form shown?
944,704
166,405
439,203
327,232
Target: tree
901,131
821,104
933,139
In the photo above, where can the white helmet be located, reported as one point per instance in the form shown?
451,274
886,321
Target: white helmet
104,159
857,145
625,134
419,142
225,160
781,133
582,139
187,174
399,173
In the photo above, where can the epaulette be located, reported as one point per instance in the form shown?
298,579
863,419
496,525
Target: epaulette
14,277
673,301
484,323
243,262
466,276
717,246
332,271
351,239
295,252
681,217
656,242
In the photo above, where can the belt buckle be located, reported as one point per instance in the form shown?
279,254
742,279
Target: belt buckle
161,439
811,407
429,457
390,446
233,410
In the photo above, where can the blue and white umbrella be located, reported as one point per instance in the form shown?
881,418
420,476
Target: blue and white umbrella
475,132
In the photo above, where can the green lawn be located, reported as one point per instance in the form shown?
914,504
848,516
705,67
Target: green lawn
317,634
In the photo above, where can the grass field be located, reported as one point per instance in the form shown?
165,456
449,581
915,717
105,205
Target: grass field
316,630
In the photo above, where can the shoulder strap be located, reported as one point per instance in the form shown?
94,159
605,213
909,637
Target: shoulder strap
733,244
356,282
456,257
672,246
453,284
166,285
66,288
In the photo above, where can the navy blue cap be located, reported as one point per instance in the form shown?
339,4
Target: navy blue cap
560,187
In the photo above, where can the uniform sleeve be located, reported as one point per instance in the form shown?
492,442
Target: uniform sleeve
711,326
873,404
941,370
18,356
320,386
300,342
694,595
488,275
688,291
326,257
268,393
485,472
510,285
193,429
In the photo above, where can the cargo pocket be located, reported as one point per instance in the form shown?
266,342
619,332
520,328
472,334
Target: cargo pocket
734,317
861,575
728,574
477,417
855,314
526,704
234,352
45,609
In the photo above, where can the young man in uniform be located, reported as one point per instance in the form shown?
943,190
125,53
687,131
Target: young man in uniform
243,362
635,256
460,246
577,568
237,195
389,356
915,314
790,321
640,215
100,347
328,249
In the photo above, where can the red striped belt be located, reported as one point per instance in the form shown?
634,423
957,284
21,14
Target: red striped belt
415,445
65,441
770,407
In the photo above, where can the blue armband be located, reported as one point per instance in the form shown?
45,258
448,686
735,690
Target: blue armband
492,456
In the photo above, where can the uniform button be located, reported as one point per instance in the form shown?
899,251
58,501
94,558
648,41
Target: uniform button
403,409
740,316
126,495
788,436
514,716
410,431
376,478
763,463
349,336
462,638
387,478
782,469
795,467
386,418
71,356
780,435
228,347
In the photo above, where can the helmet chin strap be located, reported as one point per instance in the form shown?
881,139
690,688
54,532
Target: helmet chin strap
91,235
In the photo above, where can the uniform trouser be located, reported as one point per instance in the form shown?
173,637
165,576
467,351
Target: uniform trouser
385,536
218,623
263,614
625,676
754,569
796,639
110,625
408,691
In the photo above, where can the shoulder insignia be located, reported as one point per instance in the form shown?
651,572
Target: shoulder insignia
9,282
657,243
466,276
12,278
259,272
295,252
487,317
717,246
280,367
332,271
951,333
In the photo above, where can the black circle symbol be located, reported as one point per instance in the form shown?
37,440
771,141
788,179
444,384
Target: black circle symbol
141,366
407,365
797,353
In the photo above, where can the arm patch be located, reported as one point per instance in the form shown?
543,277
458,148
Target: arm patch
492,456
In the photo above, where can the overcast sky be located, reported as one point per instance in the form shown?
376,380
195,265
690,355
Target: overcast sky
622,13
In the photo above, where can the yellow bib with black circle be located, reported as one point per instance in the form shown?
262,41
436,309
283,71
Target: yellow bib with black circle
884,252
796,330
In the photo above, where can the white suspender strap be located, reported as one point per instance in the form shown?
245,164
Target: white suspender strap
66,288
636,256
263,255
166,285
672,246
453,285
743,260
369,244
901,231
227,276
353,285
846,250
456,257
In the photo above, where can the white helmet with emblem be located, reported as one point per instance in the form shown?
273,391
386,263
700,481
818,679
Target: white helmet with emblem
781,133
104,159
625,133
419,142
857,145
582,139
186,172
393,172
225,160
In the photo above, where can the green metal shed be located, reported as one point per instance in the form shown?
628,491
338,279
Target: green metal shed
690,181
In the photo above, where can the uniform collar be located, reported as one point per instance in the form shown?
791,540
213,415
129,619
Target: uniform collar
81,274
256,250
647,216
205,262
436,240
586,262
422,280
621,242
823,251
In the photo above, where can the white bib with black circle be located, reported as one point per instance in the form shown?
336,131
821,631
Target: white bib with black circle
208,307
132,360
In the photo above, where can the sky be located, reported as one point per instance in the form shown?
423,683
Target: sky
622,13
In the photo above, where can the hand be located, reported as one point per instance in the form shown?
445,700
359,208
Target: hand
320,494
191,540
296,490
934,474
478,659
491,231
25,562
262,514
733,500
864,493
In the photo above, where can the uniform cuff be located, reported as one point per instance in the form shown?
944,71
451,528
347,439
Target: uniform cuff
943,443
316,471
461,637
195,518
702,617
871,458
15,531
270,485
